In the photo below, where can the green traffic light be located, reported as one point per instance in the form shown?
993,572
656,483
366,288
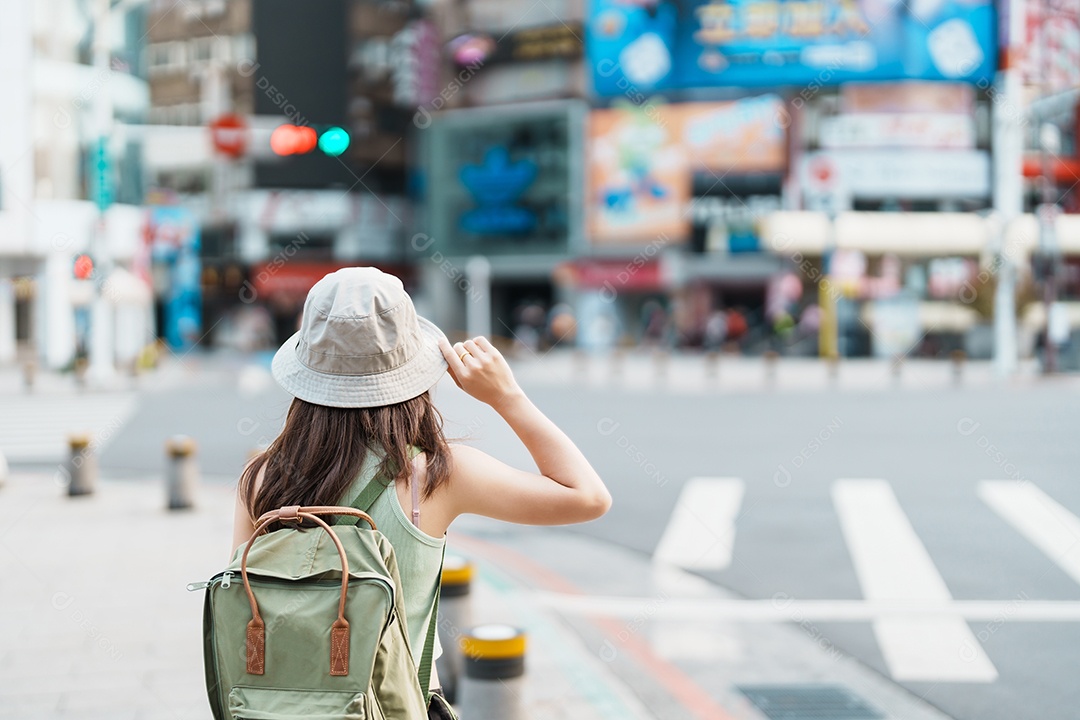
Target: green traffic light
334,141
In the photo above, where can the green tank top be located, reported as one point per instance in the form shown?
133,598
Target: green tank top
419,556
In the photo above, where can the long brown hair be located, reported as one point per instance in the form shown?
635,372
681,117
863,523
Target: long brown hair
321,449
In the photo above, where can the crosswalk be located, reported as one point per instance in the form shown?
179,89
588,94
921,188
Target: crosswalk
921,630
35,428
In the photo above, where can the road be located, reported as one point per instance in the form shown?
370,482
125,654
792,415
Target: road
930,532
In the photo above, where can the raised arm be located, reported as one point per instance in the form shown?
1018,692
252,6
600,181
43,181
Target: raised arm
567,489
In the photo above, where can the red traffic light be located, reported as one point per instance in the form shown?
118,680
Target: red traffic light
293,140
84,267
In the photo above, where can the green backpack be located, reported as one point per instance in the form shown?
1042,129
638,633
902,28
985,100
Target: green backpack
310,623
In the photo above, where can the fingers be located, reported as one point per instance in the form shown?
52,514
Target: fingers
452,355
485,345
473,349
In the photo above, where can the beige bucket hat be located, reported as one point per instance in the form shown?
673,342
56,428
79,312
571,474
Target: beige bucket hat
360,344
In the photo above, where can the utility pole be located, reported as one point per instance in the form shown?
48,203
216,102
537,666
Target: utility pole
1050,148
1007,149
102,346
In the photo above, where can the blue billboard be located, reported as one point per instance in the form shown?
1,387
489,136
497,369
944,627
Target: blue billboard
706,43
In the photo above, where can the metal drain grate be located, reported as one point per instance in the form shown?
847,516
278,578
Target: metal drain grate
809,702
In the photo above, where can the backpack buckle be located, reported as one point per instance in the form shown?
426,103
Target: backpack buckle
289,514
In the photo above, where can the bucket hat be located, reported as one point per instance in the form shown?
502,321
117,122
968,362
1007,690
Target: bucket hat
360,344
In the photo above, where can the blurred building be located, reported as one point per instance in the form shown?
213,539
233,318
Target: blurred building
719,160
70,178
281,128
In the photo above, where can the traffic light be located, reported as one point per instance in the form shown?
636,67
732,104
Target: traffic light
302,139
84,267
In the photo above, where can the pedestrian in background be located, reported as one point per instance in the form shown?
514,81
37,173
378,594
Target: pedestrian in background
361,368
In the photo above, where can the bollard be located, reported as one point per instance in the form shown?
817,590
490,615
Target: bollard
712,364
661,360
3,470
770,357
454,614
897,366
958,358
581,364
81,366
833,362
618,360
82,467
182,473
493,660
29,370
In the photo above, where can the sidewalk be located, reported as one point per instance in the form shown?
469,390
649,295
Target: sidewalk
97,623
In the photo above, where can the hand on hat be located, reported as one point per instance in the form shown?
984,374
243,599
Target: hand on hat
480,370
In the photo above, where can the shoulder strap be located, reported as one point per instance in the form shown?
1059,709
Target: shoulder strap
424,671
372,489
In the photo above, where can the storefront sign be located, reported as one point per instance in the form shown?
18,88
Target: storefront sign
909,174
898,131
935,98
769,42
560,41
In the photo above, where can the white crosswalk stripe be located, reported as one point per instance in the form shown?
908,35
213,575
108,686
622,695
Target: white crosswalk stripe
921,630
701,530
35,428
1039,518
892,564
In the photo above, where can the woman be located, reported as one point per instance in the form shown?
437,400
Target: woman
361,369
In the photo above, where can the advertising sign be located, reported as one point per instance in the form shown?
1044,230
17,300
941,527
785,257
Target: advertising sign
747,135
898,131
638,177
1051,55
173,236
641,162
502,182
706,43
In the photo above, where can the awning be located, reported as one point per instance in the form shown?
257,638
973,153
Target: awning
876,233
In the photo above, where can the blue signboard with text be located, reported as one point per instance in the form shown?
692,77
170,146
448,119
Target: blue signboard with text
787,42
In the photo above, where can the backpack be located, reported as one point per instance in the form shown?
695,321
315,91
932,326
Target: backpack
310,623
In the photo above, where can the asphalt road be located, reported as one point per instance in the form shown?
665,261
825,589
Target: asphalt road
787,450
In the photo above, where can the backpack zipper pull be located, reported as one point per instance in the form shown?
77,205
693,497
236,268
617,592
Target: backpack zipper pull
192,587
226,580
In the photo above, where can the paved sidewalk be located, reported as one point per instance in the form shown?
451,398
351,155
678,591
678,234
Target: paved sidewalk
97,623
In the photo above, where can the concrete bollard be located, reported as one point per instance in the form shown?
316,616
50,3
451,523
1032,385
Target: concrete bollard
832,361
493,658
455,613
82,466
661,361
958,358
4,471
770,357
897,367
182,473
581,365
81,367
618,362
29,371
712,364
